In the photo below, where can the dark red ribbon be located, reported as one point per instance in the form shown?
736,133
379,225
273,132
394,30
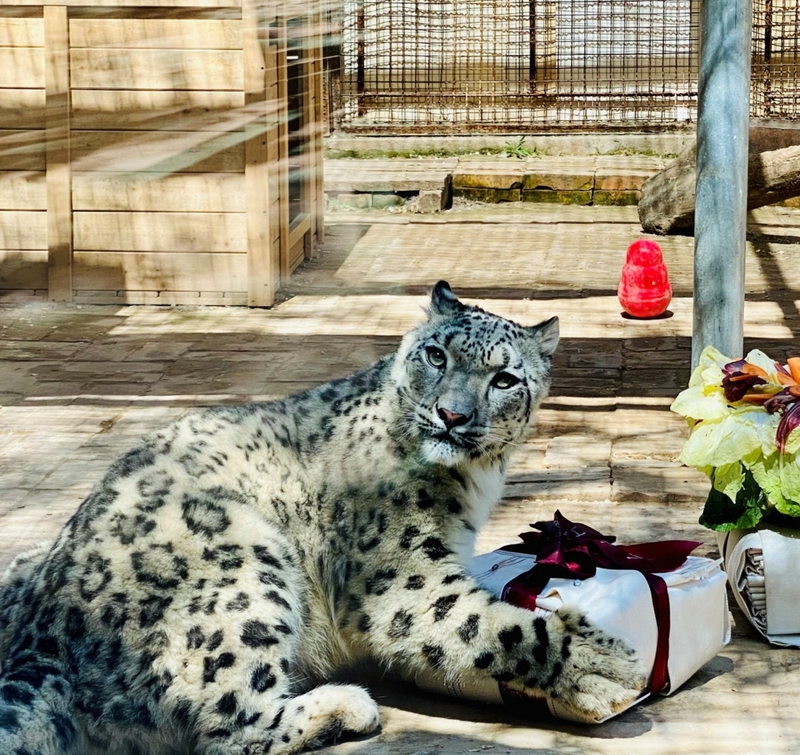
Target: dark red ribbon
568,549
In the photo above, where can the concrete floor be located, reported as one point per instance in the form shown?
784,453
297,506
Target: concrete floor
78,384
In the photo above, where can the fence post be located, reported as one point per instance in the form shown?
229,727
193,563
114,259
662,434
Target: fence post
721,197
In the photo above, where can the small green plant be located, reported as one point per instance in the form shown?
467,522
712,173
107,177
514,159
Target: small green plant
518,149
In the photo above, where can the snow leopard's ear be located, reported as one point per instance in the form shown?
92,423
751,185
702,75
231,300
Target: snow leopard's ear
544,336
444,302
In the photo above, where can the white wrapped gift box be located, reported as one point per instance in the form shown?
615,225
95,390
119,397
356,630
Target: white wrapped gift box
762,566
619,602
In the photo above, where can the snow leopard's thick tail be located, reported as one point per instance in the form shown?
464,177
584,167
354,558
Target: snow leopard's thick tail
15,585
36,714
35,698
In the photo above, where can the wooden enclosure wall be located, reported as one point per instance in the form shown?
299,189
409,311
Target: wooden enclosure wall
145,151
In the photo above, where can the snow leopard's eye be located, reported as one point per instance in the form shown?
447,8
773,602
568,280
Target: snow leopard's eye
435,357
504,381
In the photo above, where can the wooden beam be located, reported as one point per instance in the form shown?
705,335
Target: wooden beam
283,147
57,139
319,189
261,277
668,198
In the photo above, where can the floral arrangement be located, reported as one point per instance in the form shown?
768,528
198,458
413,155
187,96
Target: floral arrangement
743,415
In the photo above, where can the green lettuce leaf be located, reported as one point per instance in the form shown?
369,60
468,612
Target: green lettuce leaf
723,442
728,479
702,402
766,471
790,485
723,514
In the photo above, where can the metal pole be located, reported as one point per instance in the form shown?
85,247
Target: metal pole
721,198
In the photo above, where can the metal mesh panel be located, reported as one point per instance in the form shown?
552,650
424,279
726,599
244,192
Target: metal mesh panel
776,57
454,65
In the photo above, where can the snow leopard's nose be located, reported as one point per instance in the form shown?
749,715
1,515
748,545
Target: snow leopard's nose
452,419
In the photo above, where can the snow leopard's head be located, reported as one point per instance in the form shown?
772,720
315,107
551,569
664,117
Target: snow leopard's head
469,381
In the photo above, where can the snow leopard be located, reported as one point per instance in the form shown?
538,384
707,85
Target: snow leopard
217,586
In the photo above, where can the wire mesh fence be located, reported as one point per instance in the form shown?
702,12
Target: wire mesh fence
776,57
457,65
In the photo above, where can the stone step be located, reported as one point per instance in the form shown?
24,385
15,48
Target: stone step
428,185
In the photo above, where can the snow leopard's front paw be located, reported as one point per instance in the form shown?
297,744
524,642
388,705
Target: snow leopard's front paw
591,672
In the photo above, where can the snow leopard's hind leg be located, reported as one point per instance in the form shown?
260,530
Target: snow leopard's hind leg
234,687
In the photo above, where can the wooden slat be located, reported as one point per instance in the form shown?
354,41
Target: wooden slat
21,67
21,32
151,33
204,192
300,228
319,189
156,69
23,190
144,4
59,193
162,232
22,150
275,225
283,149
218,298
22,108
262,272
23,270
8,11
175,151
23,230
156,110
304,160
296,253
160,272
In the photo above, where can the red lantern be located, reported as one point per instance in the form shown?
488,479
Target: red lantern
644,289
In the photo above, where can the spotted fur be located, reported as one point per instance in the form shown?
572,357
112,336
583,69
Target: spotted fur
228,567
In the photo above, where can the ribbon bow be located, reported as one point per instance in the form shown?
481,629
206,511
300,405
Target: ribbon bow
572,550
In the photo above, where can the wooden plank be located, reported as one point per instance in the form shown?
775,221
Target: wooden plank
23,230
319,189
205,298
157,110
22,67
144,4
156,69
22,150
33,11
156,33
23,190
59,192
22,109
202,192
306,137
262,273
296,253
119,271
171,152
162,232
21,32
283,148
23,270
299,229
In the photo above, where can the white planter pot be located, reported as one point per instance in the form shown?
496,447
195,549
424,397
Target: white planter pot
763,567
